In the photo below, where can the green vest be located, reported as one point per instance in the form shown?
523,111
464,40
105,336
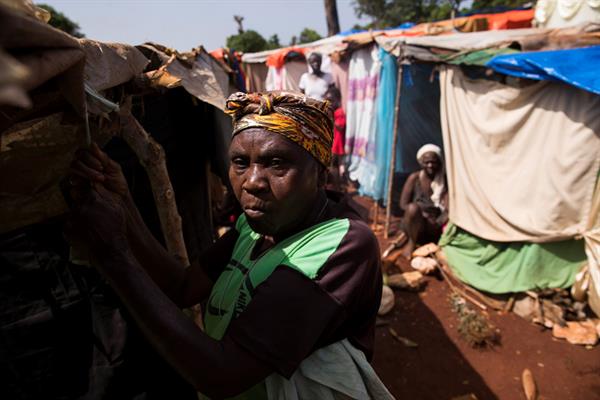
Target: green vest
306,252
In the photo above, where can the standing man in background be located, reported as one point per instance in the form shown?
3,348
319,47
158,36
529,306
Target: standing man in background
315,83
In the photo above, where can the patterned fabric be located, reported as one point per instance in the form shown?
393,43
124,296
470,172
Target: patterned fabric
307,122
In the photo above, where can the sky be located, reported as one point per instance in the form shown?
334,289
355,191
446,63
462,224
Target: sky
185,24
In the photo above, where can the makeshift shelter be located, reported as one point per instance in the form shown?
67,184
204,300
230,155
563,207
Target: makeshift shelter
519,155
64,332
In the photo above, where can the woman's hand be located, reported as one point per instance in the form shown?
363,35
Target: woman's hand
96,166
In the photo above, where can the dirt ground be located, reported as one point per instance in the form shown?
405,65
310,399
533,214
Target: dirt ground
444,366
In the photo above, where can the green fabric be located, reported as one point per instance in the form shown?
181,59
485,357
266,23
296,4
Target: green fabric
306,252
479,57
511,267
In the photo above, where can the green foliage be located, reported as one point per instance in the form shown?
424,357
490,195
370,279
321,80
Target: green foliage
273,42
473,326
483,4
308,35
248,42
62,22
444,11
390,13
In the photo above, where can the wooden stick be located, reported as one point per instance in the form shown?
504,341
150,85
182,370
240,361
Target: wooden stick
152,156
460,291
392,167
469,293
441,265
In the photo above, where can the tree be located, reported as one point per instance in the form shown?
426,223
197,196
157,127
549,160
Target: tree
61,21
333,22
390,13
308,35
273,42
488,4
248,42
239,20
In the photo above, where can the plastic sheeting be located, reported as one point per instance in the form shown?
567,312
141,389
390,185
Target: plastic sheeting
577,67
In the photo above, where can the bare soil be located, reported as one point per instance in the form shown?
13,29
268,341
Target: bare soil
444,366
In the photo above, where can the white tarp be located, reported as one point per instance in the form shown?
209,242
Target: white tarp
522,162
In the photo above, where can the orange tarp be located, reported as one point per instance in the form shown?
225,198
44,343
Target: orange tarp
278,59
473,23
510,20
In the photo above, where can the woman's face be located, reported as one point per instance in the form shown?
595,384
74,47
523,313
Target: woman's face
431,164
275,180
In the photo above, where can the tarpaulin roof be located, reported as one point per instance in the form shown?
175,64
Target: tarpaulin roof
326,45
278,59
450,48
457,42
46,53
197,71
110,64
577,67
500,22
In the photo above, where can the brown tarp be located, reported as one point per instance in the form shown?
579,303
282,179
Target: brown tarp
34,156
198,72
111,64
47,53
13,75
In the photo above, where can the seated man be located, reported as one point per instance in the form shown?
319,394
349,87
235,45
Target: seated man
424,199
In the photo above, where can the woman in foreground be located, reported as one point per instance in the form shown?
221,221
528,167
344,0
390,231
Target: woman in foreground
293,290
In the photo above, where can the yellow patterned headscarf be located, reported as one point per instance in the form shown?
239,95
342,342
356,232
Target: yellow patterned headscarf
305,121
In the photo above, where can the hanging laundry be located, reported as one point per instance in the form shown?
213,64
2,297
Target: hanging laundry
386,100
363,74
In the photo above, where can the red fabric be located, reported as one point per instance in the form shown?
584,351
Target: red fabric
339,132
510,19
278,59
218,54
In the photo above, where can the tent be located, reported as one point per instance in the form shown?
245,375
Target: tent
514,226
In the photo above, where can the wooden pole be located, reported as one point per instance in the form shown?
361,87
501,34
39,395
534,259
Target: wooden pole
152,156
392,168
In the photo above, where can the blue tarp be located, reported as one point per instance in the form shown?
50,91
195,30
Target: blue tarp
404,26
577,67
